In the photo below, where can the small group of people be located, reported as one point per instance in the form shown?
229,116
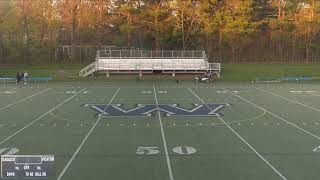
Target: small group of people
22,77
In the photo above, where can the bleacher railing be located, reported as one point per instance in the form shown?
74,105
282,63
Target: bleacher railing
88,70
137,54
215,66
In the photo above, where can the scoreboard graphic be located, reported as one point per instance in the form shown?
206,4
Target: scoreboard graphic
14,166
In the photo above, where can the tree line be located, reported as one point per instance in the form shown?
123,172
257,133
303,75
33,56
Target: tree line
228,30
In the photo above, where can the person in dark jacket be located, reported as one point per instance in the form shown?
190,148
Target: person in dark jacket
18,77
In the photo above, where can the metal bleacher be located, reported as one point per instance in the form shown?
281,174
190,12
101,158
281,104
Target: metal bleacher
144,61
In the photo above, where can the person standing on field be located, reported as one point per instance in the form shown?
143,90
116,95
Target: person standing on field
18,78
25,77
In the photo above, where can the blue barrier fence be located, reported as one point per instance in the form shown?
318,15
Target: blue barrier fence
40,79
34,79
287,78
7,79
296,79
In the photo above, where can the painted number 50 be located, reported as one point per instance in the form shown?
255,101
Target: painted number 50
182,150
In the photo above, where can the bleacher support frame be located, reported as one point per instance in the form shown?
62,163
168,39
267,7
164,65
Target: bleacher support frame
144,61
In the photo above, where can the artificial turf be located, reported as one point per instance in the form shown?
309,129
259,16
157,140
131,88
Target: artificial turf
266,132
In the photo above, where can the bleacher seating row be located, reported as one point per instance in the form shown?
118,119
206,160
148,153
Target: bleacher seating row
143,61
151,64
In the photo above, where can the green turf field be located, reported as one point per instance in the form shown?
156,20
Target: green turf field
265,131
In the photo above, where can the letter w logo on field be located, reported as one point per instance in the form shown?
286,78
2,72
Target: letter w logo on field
117,110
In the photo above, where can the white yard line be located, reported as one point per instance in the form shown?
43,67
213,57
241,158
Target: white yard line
163,136
288,122
288,99
17,132
85,139
4,107
9,90
243,140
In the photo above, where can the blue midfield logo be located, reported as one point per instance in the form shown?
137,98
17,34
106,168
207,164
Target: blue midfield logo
117,110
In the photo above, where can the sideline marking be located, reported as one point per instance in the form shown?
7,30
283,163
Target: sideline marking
9,91
9,151
163,136
3,88
288,99
317,149
243,140
24,99
162,92
288,122
85,139
303,91
146,92
9,137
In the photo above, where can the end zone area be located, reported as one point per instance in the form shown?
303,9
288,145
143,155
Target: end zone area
166,131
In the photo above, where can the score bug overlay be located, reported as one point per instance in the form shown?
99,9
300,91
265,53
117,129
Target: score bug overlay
40,166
